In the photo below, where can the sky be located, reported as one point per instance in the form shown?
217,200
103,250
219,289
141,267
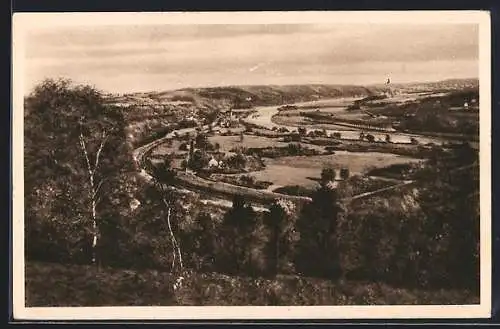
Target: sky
165,57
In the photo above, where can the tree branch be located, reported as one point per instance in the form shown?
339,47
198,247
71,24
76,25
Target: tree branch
97,200
96,191
101,146
84,149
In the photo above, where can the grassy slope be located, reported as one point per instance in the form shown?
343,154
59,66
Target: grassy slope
50,284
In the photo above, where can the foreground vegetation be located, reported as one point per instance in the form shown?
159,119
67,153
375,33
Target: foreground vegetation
83,285
89,210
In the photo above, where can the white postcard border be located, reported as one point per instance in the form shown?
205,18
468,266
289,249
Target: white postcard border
23,21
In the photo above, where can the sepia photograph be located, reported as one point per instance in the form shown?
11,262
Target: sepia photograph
251,165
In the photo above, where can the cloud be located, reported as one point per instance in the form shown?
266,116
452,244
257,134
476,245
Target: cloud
189,54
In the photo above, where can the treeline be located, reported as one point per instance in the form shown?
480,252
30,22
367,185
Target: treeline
249,96
433,117
292,149
432,114
361,102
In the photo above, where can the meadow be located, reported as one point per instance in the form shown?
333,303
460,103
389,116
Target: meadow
298,170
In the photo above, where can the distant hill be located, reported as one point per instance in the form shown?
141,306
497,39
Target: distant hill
243,96
449,84
260,95
247,96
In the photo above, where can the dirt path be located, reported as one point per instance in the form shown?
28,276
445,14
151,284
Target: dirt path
385,189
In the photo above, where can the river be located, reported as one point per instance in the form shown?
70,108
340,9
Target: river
264,115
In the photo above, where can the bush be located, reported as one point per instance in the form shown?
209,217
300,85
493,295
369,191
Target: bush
328,174
184,123
237,161
370,138
198,161
291,149
294,137
283,130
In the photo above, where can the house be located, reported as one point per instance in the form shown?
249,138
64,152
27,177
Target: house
213,163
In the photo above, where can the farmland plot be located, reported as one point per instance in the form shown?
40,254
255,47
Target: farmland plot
298,170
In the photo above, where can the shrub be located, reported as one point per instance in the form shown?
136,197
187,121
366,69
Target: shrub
328,174
370,138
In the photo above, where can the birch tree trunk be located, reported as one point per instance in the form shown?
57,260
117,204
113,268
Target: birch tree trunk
94,188
176,252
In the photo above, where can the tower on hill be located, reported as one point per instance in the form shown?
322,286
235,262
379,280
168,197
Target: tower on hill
388,88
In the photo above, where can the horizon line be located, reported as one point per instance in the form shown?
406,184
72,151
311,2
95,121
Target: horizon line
296,84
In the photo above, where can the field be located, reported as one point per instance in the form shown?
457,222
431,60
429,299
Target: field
336,109
353,115
297,121
296,170
283,175
356,162
334,102
228,142
250,141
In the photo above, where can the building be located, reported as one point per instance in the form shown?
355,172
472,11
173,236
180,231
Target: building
213,163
